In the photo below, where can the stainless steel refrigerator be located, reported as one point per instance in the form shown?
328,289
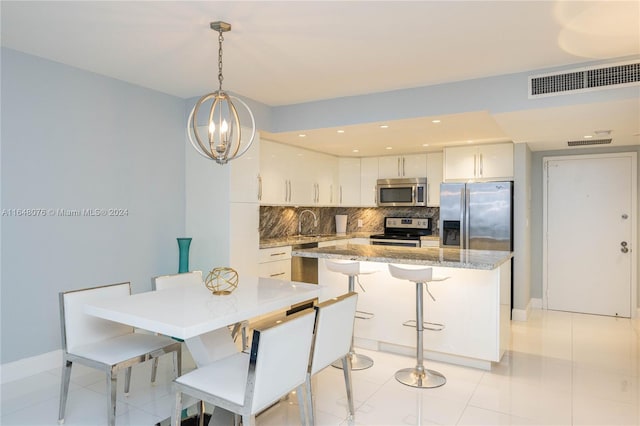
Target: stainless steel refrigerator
477,215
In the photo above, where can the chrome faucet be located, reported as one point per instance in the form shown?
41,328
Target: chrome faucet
315,220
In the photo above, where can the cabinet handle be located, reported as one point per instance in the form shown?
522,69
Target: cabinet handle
259,187
481,166
289,190
275,275
278,254
398,166
475,164
331,194
404,172
317,192
340,194
286,190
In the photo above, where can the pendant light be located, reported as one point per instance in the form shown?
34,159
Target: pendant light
220,139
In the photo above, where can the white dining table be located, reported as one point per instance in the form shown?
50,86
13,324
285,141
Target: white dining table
192,313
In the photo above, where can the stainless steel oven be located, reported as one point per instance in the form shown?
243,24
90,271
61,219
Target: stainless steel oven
402,232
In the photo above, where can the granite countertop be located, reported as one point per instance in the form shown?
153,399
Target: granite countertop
428,256
313,238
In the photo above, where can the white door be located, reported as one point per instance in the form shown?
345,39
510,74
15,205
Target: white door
589,217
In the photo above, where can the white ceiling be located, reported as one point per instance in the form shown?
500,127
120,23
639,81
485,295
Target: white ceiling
282,53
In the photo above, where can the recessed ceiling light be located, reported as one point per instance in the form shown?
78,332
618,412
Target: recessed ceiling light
389,147
469,141
384,126
340,131
425,144
435,121
302,135
587,136
356,150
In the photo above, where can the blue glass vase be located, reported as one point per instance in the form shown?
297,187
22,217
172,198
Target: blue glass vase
183,246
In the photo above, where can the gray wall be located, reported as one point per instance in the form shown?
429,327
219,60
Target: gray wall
76,140
522,264
537,206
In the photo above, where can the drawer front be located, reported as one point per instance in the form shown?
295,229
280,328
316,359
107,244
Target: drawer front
280,269
274,253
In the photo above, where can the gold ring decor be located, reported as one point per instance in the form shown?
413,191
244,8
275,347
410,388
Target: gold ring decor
222,281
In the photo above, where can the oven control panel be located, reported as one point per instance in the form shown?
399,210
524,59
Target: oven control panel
408,222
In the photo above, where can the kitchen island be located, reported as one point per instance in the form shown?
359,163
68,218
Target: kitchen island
473,304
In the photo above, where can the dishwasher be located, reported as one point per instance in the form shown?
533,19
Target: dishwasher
304,269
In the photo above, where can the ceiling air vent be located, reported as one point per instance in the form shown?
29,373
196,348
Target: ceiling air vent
585,79
589,142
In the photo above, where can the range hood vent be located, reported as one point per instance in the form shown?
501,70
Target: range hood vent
585,79
589,142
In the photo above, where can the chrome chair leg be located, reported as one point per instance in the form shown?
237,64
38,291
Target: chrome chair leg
154,370
346,369
302,403
127,381
64,389
111,402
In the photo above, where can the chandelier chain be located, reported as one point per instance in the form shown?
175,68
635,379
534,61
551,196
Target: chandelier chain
220,78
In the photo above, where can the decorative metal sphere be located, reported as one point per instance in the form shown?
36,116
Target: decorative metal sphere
222,281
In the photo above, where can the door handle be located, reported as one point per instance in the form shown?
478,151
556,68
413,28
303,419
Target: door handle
623,247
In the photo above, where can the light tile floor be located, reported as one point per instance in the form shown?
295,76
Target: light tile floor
562,369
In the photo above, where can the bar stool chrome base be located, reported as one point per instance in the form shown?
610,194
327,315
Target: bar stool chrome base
420,378
358,362
352,269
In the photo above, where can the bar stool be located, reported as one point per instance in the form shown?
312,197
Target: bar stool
419,376
353,270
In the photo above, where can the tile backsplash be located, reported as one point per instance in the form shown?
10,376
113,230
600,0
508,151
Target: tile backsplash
282,221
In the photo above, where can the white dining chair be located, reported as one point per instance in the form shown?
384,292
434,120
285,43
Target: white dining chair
248,383
164,282
332,341
105,345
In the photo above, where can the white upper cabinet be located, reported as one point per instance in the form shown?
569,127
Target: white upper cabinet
434,178
481,162
323,171
402,166
368,181
296,176
275,183
348,193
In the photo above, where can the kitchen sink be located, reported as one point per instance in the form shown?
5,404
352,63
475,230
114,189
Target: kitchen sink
301,236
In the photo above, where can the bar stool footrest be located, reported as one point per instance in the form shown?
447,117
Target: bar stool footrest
432,326
364,315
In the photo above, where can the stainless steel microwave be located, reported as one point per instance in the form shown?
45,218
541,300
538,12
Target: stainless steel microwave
402,192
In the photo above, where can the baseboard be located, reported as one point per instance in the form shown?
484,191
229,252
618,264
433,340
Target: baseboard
29,366
523,314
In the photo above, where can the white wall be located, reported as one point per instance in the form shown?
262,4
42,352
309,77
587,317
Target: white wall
76,140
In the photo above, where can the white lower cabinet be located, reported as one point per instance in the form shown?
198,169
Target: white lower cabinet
275,262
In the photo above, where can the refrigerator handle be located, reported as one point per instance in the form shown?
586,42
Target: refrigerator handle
466,217
463,232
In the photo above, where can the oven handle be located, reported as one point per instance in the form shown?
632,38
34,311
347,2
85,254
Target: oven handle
396,243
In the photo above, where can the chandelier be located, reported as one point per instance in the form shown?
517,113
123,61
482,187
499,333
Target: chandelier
220,139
